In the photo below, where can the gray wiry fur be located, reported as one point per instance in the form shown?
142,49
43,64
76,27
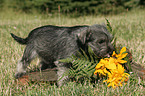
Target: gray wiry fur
52,43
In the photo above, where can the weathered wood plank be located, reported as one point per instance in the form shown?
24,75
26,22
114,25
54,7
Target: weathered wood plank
44,75
48,75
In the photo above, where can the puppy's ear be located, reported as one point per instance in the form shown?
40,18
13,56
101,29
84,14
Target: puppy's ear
84,35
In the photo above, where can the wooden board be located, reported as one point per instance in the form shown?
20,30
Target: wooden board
44,75
48,75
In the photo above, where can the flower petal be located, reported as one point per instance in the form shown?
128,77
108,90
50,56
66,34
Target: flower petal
120,69
99,65
122,50
110,66
99,71
122,56
114,54
105,71
121,61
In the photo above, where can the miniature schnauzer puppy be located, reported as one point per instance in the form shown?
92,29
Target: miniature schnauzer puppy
52,43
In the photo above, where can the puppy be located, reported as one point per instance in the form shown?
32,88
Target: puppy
52,43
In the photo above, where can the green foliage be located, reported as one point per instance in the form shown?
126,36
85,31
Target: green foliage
1,4
77,7
109,27
83,65
142,2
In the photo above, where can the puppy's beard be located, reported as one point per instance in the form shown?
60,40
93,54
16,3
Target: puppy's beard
104,53
100,52
94,49
107,55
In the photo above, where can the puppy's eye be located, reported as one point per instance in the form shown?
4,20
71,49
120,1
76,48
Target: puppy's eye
101,41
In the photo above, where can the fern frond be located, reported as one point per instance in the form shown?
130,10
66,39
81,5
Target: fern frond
83,65
85,55
67,60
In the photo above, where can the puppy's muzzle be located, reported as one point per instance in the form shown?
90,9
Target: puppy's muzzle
109,52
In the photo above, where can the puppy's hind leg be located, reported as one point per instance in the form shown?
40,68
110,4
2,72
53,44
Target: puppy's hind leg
28,55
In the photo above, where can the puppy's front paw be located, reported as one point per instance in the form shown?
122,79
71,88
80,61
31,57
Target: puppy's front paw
18,74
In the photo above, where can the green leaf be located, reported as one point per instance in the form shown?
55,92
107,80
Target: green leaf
67,60
109,26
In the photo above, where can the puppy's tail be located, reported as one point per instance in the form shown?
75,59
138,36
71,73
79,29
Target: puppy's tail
19,39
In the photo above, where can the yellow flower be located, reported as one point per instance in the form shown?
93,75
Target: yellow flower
112,68
101,72
107,63
116,77
120,56
103,64
111,63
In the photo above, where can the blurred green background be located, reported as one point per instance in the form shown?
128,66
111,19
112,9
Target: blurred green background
73,7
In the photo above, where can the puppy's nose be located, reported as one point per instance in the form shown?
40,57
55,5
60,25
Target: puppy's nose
110,50
110,53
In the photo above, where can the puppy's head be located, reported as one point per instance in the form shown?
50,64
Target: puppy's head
99,39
